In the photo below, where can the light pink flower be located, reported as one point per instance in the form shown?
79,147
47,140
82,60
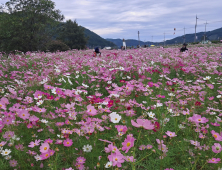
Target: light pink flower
171,134
145,123
214,160
44,148
216,148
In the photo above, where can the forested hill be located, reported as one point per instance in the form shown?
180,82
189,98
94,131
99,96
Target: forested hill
95,40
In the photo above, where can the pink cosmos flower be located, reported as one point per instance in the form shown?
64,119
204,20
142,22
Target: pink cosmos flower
214,160
111,148
149,146
198,119
45,155
195,143
142,147
48,141
211,98
116,159
80,160
216,136
128,143
7,120
145,123
121,128
91,110
216,148
31,152
44,148
169,169
171,134
68,142
33,144
215,124
129,159
24,114
13,163
2,143
211,86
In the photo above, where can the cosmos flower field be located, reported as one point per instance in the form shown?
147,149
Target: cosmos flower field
136,109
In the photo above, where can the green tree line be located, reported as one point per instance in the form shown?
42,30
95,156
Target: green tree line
35,25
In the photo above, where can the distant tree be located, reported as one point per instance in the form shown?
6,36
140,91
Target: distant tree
27,25
72,35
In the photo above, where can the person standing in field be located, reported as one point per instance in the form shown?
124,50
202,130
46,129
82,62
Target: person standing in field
184,48
96,52
124,45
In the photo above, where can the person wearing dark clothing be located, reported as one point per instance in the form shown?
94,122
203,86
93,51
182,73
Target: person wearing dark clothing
184,48
97,52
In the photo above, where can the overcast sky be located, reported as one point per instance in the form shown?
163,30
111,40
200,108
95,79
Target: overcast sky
123,19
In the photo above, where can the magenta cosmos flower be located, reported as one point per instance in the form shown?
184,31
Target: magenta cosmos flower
145,123
214,160
68,142
171,134
44,148
128,143
216,135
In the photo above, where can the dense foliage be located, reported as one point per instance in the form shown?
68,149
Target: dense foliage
26,25
72,35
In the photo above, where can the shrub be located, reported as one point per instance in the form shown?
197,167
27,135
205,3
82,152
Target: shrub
57,45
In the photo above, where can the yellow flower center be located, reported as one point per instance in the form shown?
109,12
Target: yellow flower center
128,144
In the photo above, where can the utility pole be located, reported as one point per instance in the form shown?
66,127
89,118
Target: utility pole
139,37
205,31
164,39
195,30
184,36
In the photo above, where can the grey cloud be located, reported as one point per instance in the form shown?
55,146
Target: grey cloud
123,19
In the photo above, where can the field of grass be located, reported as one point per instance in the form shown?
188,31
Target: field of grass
138,109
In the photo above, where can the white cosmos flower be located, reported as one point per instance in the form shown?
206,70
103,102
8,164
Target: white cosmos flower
181,126
121,68
77,76
38,158
109,82
6,152
8,157
219,96
128,77
87,148
53,91
57,70
108,164
207,78
44,121
171,94
115,118
39,102
85,85
151,114
159,104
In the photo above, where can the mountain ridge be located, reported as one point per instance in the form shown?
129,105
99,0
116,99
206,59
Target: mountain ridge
189,38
